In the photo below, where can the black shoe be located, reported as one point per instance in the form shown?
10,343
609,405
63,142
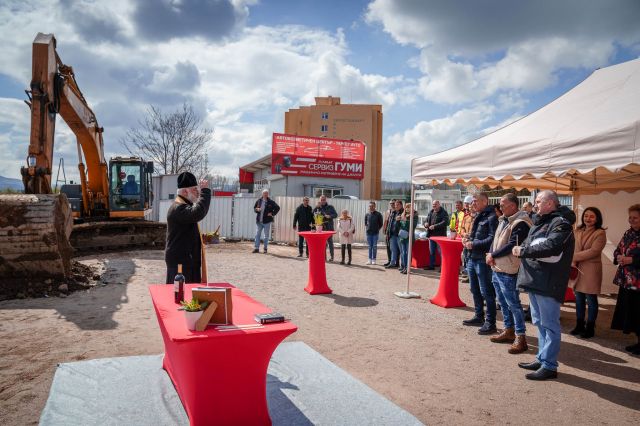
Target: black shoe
331,260
342,262
391,265
387,264
578,329
589,331
403,271
300,255
542,374
476,320
535,365
429,268
264,251
255,251
487,328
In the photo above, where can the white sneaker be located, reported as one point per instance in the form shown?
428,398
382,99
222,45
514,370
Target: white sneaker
369,262
373,262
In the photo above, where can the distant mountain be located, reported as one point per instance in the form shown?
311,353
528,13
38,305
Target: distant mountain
9,183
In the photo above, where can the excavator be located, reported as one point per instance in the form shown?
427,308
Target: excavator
106,210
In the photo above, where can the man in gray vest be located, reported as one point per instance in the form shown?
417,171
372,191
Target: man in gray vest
513,227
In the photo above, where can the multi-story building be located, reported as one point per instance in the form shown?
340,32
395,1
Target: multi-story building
329,118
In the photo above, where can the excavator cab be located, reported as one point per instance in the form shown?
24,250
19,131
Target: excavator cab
130,191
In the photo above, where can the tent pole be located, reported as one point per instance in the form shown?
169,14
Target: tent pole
409,294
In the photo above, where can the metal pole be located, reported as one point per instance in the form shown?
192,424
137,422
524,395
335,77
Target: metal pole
409,294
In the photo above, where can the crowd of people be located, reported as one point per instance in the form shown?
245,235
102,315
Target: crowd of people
507,250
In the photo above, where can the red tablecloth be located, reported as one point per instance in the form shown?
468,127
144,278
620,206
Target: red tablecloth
447,295
420,254
317,241
220,376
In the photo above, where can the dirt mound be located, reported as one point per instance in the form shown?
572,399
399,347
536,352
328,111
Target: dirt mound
81,277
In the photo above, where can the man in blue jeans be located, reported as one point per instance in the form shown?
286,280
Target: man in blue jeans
544,273
478,243
513,227
265,209
392,231
373,222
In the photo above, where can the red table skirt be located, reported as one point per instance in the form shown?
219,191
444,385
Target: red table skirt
220,376
420,254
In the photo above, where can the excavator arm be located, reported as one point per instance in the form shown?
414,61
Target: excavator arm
37,234
54,91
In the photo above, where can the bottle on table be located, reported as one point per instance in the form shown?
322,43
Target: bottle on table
178,286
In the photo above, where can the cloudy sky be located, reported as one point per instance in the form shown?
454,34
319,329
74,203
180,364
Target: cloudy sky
445,72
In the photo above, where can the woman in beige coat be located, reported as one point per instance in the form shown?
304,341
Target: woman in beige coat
346,228
590,241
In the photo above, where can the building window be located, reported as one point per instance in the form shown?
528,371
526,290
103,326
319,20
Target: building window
325,115
324,128
328,192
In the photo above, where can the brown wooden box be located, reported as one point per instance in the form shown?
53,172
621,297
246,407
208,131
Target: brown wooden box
220,295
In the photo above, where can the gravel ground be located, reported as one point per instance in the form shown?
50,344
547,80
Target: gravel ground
414,353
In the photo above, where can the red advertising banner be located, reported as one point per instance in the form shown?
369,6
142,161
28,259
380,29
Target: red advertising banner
308,156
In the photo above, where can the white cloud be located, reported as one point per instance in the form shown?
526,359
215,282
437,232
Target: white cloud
428,137
242,83
471,51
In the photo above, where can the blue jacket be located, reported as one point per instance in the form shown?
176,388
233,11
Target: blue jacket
482,232
331,211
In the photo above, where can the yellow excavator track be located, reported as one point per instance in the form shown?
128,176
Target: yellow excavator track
117,235
38,238
34,235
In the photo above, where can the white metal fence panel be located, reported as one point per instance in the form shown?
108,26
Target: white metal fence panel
244,218
283,224
220,213
163,208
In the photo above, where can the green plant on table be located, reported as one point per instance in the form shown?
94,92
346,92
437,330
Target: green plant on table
193,305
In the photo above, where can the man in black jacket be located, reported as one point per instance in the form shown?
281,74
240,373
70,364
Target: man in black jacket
373,222
184,245
302,220
385,229
544,274
436,226
479,243
265,209
329,213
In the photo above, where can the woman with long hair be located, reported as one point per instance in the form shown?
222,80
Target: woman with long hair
590,240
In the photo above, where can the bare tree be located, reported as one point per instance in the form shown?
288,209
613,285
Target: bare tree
175,141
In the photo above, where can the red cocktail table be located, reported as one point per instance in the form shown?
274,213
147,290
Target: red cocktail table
317,241
447,295
420,254
220,376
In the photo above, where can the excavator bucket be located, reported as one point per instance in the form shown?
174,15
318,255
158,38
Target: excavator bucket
34,235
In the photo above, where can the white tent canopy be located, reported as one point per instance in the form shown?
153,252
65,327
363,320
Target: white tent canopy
586,141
